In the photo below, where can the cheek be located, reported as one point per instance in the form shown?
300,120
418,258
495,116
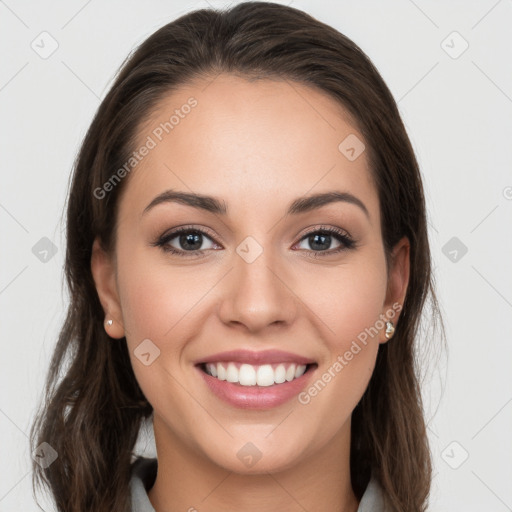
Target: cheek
348,300
158,302
348,306
156,298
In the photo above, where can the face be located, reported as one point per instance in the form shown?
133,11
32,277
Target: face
295,290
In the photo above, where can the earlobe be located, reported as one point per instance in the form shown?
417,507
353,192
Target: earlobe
398,281
103,272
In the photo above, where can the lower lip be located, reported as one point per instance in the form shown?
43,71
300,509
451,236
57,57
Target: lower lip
256,397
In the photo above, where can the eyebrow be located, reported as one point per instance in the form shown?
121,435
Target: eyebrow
216,206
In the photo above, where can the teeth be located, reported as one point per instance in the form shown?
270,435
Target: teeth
280,374
250,375
221,372
265,375
232,373
247,375
299,371
212,369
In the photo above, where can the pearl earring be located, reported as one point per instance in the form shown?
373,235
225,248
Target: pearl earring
390,329
109,323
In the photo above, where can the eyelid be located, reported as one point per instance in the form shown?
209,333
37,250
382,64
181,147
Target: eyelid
346,241
323,227
177,230
343,237
305,232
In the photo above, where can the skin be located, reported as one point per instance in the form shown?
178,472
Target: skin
256,146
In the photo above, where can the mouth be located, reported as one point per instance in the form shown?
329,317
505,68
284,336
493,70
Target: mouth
256,380
250,375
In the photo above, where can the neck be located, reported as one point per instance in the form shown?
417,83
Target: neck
188,481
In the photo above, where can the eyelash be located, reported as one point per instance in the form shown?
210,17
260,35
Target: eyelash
345,240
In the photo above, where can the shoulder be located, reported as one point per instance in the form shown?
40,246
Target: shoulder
373,499
143,475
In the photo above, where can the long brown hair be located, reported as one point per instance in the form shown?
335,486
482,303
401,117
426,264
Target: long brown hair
93,407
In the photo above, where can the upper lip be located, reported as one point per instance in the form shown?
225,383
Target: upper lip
256,357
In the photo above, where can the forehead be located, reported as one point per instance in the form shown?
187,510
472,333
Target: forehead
248,142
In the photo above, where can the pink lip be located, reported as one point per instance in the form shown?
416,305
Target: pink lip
256,358
256,397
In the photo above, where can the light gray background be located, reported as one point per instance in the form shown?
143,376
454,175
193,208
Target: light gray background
458,112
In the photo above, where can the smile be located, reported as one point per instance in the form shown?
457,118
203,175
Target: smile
255,375
256,380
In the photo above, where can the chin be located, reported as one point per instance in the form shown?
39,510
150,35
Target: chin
258,456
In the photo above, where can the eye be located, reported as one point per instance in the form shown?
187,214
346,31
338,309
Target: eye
321,239
186,241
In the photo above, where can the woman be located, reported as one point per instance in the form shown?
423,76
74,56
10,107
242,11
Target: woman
248,261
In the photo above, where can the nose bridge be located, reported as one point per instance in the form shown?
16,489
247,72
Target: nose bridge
257,295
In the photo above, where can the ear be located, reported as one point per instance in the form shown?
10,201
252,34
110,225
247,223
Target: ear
104,275
398,281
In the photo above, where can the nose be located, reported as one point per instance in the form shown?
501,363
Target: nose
257,294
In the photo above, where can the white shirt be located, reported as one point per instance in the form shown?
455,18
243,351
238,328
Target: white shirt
144,475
